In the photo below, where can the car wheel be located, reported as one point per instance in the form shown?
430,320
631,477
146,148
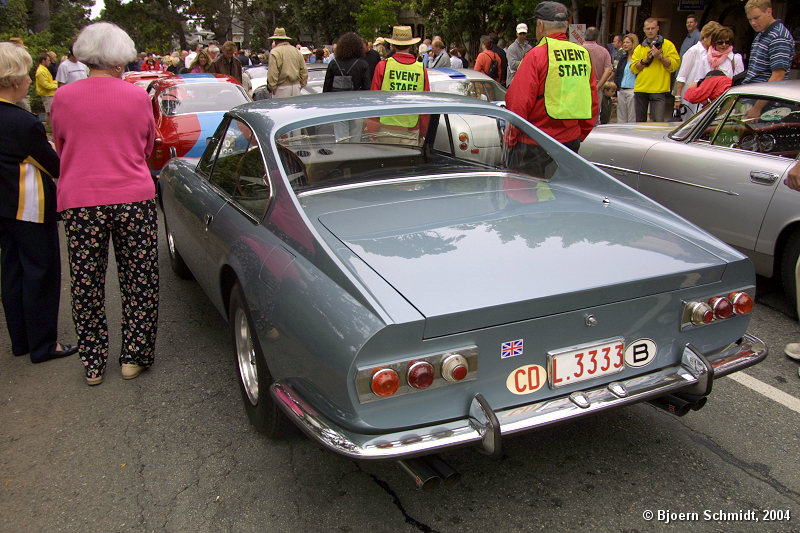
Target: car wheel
254,375
175,259
791,252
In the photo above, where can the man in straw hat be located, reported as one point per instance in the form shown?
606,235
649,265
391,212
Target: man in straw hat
554,87
287,72
401,72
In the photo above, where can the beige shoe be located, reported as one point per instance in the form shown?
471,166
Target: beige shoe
132,370
792,351
94,381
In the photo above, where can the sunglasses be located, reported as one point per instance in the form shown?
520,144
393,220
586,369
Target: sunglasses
723,43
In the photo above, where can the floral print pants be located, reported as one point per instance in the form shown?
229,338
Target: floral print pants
133,228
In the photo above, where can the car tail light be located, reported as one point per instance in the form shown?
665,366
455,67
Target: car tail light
716,308
420,374
722,307
700,313
463,139
454,368
385,382
416,374
742,302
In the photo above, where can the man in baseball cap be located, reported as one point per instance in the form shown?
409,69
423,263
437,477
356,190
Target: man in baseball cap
516,51
554,87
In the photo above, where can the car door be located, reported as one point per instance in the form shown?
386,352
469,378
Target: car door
197,202
234,235
724,177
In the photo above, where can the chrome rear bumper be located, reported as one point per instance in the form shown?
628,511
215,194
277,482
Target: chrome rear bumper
484,427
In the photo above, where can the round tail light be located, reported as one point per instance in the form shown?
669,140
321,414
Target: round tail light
722,307
742,302
701,313
385,382
455,368
420,375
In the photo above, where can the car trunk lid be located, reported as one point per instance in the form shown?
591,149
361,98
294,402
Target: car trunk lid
526,250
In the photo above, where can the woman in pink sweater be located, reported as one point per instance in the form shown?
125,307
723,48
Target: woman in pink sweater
103,129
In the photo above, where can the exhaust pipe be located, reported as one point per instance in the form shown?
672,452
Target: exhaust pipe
423,475
449,475
679,405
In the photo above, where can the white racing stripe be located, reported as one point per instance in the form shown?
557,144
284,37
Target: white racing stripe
769,391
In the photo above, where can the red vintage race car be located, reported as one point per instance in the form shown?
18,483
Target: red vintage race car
143,79
187,109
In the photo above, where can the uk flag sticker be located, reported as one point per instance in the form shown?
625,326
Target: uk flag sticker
511,348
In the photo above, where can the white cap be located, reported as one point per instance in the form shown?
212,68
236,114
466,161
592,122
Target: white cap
305,51
522,28
423,48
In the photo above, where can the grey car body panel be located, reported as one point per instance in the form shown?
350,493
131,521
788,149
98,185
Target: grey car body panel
334,270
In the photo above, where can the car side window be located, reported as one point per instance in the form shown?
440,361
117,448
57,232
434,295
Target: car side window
763,125
239,169
708,131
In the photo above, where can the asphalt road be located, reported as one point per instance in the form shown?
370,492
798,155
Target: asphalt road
173,451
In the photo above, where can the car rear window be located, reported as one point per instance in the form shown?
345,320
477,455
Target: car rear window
408,146
200,97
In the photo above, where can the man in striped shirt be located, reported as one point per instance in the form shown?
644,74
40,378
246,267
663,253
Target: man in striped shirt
773,48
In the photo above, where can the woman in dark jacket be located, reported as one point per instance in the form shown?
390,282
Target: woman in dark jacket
30,264
348,72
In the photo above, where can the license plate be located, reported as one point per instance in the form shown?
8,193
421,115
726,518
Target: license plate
576,364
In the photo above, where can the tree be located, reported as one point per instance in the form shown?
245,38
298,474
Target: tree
41,16
150,24
376,18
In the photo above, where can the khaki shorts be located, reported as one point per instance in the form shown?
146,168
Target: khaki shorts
47,100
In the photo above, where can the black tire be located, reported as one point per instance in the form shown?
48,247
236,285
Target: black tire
176,262
788,262
254,375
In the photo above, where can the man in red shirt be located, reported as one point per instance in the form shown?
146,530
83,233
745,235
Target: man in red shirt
554,87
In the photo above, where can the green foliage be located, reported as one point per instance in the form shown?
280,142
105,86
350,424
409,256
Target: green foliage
376,17
323,20
13,19
147,22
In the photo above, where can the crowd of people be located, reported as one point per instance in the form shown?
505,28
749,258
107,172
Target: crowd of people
103,132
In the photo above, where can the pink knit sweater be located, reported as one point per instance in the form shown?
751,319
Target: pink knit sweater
103,129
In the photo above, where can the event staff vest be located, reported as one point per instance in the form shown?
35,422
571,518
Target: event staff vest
401,77
567,88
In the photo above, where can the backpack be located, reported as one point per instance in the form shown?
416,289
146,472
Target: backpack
345,81
494,69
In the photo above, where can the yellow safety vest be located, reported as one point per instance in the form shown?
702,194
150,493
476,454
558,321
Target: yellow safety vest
567,89
401,77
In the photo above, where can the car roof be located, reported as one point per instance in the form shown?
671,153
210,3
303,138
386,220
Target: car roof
466,74
787,89
183,79
318,108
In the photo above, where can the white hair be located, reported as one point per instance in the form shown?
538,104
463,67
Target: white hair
104,45
553,25
15,62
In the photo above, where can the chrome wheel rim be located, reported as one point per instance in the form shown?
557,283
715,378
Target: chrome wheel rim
246,356
170,244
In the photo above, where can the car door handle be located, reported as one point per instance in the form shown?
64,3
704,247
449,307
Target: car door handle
208,219
762,177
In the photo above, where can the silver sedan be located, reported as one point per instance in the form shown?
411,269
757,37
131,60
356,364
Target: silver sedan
722,169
